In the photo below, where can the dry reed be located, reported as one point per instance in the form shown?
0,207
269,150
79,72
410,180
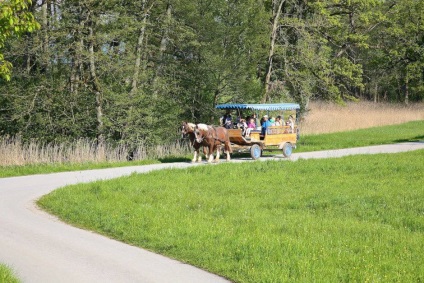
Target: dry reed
329,117
15,152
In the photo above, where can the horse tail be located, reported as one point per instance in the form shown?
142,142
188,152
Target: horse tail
227,142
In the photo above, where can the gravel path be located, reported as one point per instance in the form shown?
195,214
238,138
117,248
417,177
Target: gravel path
40,248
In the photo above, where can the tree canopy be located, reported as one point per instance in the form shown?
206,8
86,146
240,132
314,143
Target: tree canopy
130,71
15,20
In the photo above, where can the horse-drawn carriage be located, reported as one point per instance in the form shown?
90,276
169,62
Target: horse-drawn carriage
214,139
283,137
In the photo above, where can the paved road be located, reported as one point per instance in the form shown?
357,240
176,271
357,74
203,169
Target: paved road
42,249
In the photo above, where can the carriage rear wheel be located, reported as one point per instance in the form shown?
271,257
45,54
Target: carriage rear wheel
255,151
287,149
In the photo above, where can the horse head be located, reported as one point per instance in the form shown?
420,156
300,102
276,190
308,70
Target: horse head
187,128
200,132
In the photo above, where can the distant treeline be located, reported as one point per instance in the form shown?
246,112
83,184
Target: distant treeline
131,71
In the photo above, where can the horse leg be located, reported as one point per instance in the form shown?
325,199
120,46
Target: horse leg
205,153
218,152
210,153
228,150
228,155
195,156
199,158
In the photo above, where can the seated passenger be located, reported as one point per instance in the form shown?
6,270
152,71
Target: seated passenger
266,123
256,120
243,126
290,123
250,126
279,121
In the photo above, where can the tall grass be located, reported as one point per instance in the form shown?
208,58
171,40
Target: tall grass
352,219
14,152
329,117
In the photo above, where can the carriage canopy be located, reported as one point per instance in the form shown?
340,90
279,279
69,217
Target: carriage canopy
259,107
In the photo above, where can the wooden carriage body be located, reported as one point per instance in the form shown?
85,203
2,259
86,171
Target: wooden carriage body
276,137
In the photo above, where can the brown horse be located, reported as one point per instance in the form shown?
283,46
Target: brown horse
214,138
188,129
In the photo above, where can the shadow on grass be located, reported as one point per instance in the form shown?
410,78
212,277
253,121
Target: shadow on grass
415,139
174,159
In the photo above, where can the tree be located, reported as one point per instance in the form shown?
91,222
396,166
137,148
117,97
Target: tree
315,48
129,71
399,49
15,20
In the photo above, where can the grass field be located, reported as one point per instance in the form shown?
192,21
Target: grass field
7,275
31,169
410,131
352,219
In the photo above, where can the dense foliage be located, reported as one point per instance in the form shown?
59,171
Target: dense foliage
130,71
15,19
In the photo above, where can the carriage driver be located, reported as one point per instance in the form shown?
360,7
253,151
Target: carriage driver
226,120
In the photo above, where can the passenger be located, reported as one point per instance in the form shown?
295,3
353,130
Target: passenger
272,121
290,123
257,122
243,126
250,126
266,123
278,121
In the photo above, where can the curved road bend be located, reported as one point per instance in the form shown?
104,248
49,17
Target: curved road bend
40,248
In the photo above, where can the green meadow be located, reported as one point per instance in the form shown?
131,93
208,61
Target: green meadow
411,131
15,170
351,219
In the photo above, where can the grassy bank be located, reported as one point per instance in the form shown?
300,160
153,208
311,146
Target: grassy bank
410,131
7,275
11,171
351,219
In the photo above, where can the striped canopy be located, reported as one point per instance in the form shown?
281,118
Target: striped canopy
266,107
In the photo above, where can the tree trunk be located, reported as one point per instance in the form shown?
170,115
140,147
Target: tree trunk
376,93
138,57
76,60
276,16
45,27
164,41
96,86
162,48
407,91
139,47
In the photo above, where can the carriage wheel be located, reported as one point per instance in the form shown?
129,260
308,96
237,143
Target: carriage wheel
255,151
287,149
